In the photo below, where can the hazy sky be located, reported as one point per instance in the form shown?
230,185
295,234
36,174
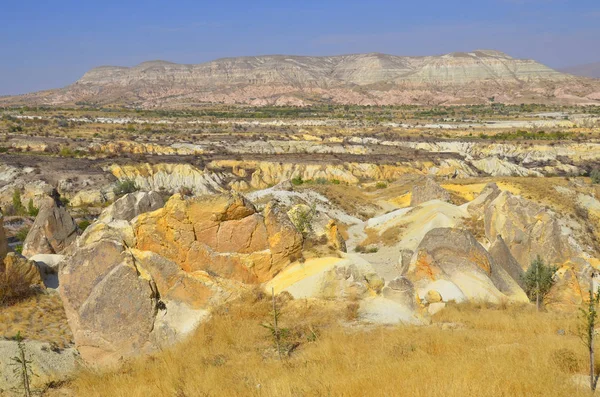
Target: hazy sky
48,44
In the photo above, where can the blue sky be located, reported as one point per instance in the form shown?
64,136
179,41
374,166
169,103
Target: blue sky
48,44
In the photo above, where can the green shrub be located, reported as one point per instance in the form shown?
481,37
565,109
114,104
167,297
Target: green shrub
381,185
297,180
32,210
538,279
125,186
18,206
302,218
83,224
22,234
595,175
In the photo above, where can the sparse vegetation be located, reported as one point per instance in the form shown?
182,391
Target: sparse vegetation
331,359
125,186
370,249
18,207
32,210
302,218
587,333
595,176
538,280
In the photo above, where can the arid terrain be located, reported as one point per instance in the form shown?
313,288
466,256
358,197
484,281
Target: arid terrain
477,77
334,249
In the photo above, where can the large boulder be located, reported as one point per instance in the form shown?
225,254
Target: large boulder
131,205
53,230
223,235
130,288
428,191
121,301
454,265
528,229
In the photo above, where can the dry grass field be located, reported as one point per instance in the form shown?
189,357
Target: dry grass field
39,317
471,350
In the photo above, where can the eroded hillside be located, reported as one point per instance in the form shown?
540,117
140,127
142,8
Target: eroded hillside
130,239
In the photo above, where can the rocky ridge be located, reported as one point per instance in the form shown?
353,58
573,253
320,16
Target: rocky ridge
365,79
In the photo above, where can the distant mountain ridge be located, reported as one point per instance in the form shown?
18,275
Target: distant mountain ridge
367,79
587,70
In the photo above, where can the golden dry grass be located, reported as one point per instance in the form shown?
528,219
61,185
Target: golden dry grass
40,317
467,351
388,237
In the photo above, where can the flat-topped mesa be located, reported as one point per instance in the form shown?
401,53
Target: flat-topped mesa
360,69
361,79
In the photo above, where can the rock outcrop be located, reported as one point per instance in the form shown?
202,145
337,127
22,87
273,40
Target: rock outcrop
528,229
451,263
428,191
53,230
501,254
130,287
224,235
566,291
131,205
17,269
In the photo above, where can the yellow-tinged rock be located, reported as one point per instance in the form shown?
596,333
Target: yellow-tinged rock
433,296
565,292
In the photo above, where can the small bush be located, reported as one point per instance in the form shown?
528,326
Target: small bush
18,207
381,185
297,180
303,218
595,175
83,224
14,287
125,186
32,210
22,234
371,249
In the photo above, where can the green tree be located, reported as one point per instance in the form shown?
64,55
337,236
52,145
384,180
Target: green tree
538,280
589,315
17,203
32,210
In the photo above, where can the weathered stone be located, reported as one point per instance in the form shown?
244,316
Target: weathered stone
487,195
566,291
428,191
47,363
334,237
433,296
131,205
17,267
452,263
53,230
503,257
435,308
528,229
402,291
